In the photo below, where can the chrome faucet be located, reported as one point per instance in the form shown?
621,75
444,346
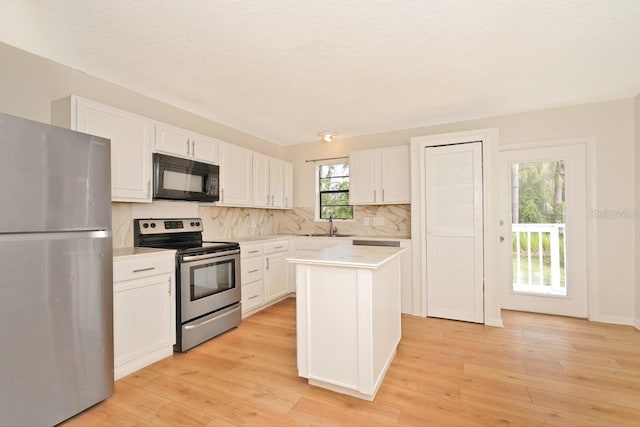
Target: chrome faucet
332,229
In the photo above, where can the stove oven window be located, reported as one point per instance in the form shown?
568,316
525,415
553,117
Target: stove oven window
212,278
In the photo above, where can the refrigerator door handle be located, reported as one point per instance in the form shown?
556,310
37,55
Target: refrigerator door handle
55,235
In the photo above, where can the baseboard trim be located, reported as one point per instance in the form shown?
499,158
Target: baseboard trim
495,322
615,320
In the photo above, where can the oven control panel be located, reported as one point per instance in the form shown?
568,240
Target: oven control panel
168,225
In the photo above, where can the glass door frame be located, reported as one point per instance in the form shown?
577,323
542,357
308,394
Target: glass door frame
582,249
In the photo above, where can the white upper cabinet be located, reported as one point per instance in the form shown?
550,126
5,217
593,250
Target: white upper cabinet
131,143
261,190
288,185
268,181
183,143
396,174
247,178
363,185
236,175
380,176
276,183
205,148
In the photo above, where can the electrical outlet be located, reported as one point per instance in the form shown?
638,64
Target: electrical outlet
379,220
366,220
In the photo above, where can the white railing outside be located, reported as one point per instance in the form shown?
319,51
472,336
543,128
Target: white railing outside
534,282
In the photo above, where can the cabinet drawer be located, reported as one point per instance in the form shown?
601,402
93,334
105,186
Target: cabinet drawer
252,295
278,246
251,269
136,268
251,250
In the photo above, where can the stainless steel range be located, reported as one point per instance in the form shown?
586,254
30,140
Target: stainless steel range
207,277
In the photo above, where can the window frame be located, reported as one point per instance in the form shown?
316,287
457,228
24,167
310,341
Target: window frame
319,193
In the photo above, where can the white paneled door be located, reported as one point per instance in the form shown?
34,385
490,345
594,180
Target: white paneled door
454,226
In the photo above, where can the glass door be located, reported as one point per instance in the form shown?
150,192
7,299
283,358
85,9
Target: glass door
543,231
538,225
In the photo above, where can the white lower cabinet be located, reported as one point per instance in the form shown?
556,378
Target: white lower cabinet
264,273
304,244
251,274
276,282
143,310
252,295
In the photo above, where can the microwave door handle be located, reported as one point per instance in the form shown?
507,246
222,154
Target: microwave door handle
207,184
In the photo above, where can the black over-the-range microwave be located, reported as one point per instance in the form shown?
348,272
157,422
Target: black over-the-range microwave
176,178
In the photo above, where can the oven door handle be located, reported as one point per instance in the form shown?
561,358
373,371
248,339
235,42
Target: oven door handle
209,256
228,313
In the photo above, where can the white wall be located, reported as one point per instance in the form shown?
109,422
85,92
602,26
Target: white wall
637,211
29,83
611,124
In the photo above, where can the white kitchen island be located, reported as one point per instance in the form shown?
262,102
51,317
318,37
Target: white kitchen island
348,316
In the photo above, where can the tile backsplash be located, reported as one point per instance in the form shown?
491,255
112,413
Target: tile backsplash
384,220
229,223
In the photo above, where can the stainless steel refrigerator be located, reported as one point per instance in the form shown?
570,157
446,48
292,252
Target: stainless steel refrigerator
56,288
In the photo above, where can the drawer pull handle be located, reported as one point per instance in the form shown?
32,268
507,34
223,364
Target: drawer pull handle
254,252
254,271
279,247
140,270
255,296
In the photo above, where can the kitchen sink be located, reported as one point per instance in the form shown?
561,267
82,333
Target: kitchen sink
325,235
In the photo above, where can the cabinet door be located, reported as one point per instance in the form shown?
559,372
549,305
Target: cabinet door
276,182
276,275
288,185
396,175
172,140
131,141
363,177
143,319
261,195
204,148
236,176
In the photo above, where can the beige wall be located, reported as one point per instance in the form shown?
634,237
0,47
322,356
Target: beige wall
29,83
637,211
611,124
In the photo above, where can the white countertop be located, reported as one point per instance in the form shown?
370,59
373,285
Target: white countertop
348,256
247,239
127,252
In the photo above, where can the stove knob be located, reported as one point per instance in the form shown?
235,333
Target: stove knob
198,223
145,225
153,225
193,224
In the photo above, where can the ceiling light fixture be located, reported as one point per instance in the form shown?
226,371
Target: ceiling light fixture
327,135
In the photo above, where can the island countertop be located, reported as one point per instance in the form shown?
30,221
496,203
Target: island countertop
348,256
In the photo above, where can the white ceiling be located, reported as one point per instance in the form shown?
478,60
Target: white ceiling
284,70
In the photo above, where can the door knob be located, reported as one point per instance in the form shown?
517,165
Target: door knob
501,239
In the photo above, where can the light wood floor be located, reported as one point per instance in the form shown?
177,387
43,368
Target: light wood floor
537,371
